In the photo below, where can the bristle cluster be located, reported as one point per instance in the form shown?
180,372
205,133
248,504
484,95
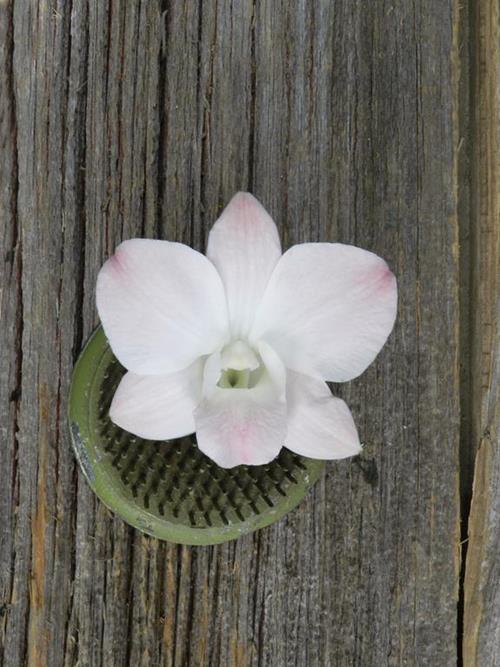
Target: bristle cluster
177,482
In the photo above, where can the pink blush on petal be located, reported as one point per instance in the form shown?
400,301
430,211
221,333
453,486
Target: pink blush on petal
385,279
116,264
378,280
238,434
242,432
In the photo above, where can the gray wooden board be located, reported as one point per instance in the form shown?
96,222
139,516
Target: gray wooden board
124,119
481,645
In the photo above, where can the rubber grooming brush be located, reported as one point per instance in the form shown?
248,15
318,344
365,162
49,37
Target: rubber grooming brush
171,490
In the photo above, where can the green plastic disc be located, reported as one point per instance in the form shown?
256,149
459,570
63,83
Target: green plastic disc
169,489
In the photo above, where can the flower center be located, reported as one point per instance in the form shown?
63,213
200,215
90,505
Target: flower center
241,366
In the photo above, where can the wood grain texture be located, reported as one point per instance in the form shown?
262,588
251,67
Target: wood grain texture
122,119
481,644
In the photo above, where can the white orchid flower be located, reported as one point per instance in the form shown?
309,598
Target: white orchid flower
237,346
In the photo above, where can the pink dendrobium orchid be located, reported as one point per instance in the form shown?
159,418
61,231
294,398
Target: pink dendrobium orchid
237,346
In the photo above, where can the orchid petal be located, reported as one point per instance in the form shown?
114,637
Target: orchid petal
320,426
158,407
242,426
161,304
328,309
244,246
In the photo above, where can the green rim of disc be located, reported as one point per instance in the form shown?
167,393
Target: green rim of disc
170,489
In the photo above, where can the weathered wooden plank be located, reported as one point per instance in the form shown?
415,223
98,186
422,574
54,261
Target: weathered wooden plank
10,328
481,645
142,118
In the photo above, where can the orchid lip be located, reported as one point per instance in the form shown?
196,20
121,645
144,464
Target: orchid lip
241,366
